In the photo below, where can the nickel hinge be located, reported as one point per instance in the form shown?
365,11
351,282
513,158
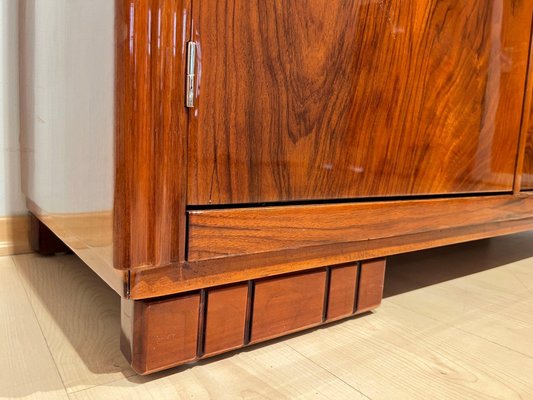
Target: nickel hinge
191,65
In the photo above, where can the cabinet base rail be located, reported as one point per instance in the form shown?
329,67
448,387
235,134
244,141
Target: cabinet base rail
162,333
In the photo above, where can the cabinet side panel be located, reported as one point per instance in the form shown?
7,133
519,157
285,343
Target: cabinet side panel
67,120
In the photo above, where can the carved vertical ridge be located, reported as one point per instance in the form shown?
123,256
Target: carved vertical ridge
151,128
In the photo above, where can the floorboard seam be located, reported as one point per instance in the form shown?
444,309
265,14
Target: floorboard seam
329,372
39,325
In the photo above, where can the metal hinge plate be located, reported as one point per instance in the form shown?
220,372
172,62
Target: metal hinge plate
191,81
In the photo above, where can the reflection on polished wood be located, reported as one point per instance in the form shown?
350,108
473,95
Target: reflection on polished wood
229,232
150,136
329,99
493,216
90,236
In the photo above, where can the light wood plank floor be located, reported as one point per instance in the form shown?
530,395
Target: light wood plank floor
456,323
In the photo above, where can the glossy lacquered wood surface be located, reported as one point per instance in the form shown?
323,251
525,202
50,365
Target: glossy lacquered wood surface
333,99
287,304
489,216
223,233
225,319
149,332
151,135
371,281
89,236
158,334
343,282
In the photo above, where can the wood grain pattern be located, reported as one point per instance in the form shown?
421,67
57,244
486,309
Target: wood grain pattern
79,315
221,271
302,101
150,137
225,319
343,284
159,334
221,233
421,353
275,311
165,333
27,367
371,283
328,99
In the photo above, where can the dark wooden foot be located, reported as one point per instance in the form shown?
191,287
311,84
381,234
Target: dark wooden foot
159,334
43,240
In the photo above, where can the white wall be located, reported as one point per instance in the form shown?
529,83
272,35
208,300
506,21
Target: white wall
68,105
12,201
66,97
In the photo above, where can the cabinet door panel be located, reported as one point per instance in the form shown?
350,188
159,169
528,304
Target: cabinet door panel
328,99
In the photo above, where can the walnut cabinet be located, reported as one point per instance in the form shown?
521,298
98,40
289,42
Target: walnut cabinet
238,170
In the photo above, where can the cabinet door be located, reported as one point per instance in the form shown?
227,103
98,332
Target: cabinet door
328,99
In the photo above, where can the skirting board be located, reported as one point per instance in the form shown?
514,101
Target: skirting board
14,238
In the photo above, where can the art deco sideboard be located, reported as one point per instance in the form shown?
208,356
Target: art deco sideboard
238,170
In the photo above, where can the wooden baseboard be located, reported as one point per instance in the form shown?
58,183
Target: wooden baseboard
14,237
